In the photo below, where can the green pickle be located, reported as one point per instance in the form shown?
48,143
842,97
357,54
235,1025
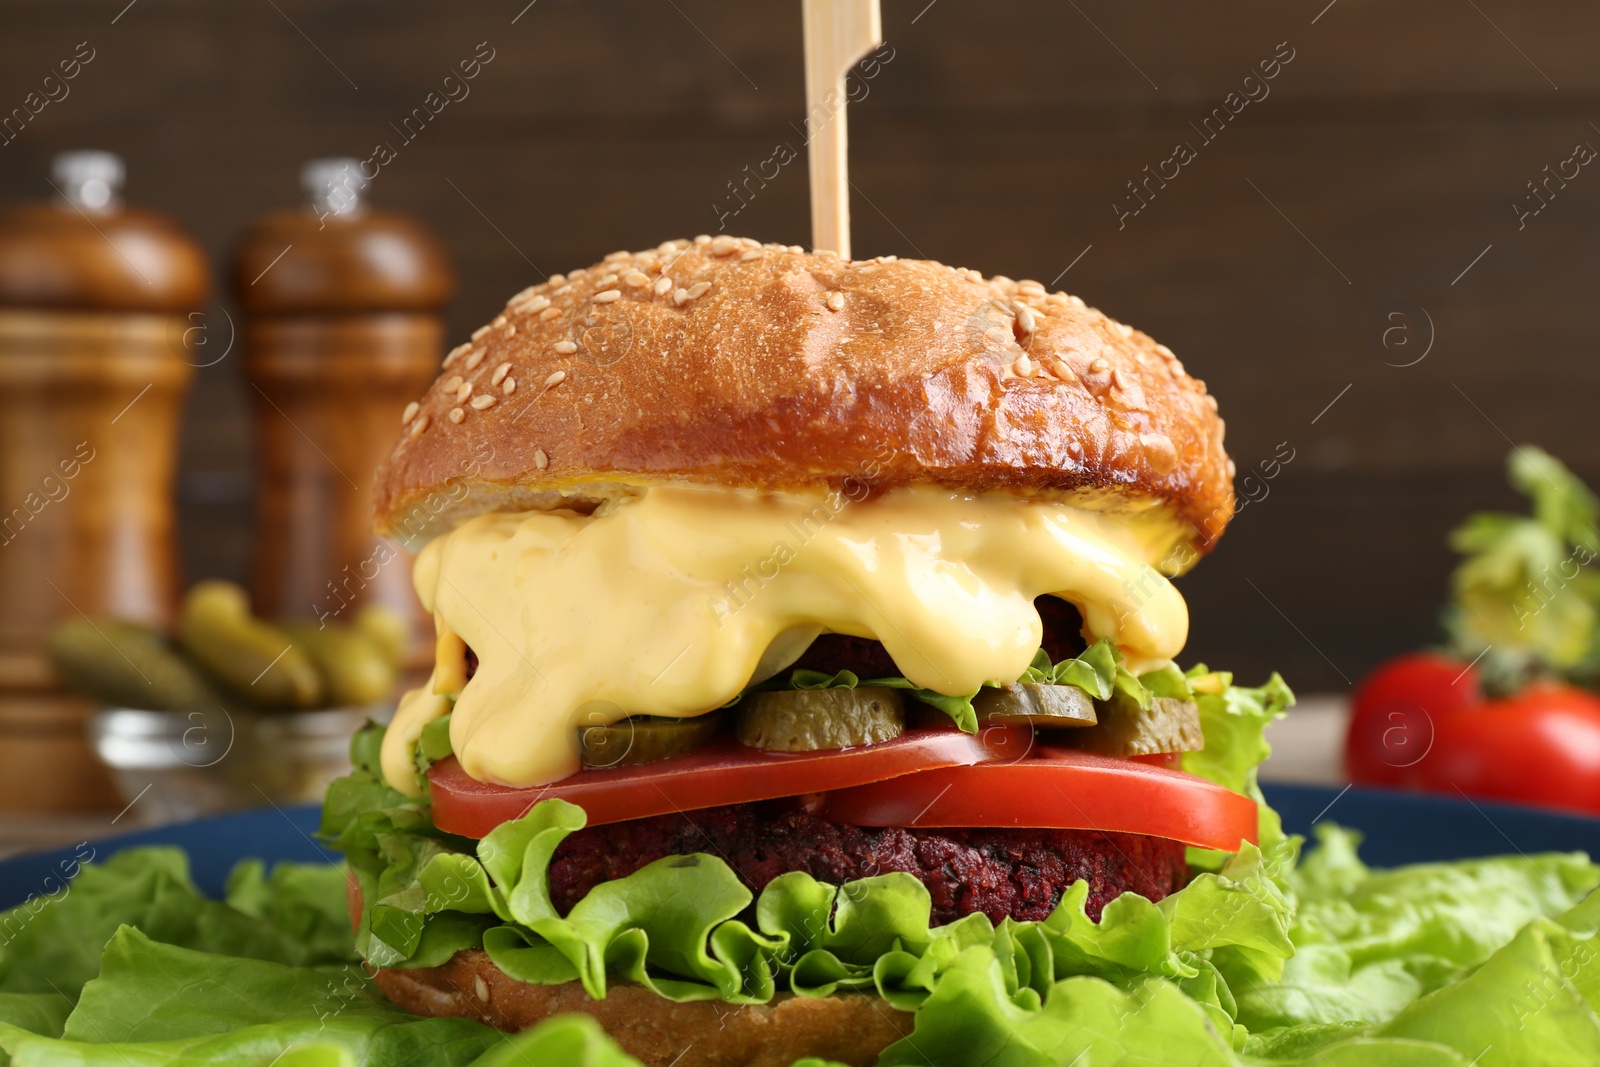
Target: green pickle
251,658
644,739
809,720
1125,729
355,669
1033,704
126,665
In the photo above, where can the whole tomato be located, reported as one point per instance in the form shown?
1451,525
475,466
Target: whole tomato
1397,710
1541,746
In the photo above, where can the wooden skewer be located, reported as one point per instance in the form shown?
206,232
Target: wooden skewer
838,34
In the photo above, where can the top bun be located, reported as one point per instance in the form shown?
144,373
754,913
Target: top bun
727,362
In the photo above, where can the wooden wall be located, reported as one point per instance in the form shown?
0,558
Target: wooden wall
1384,157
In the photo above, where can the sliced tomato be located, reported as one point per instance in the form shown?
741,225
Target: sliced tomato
1058,789
725,772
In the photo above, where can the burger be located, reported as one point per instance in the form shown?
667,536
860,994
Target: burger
804,677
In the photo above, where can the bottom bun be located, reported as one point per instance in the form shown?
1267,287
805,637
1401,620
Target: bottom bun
851,1028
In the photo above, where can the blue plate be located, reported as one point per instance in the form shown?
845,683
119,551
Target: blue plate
1399,828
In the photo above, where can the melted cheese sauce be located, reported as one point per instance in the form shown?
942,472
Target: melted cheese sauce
671,602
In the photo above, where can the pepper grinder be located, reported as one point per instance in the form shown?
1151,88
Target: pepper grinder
95,301
342,328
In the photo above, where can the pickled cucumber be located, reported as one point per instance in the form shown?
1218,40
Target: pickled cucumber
355,671
250,658
807,720
644,739
387,629
126,665
1125,729
1028,703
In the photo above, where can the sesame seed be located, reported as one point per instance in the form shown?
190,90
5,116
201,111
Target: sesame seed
608,296
410,412
525,294
463,392
479,332
723,245
680,295
456,414
482,401
549,313
1099,365
698,289
473,360
508,386
1124,329
1159,451
663,285
836,301
566,348
500,373
752,254
538,303
1028,285
1119,380
581,272
452,383
1077,302
540,460
636,279
420,425
565,289
666,248
511,330
1060,369
702,239
609,279
614,256
480,987
1164,350
455,353
1024,366
555,279
1025,318
555,379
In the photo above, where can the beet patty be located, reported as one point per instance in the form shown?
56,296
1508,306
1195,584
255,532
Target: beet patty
1017,872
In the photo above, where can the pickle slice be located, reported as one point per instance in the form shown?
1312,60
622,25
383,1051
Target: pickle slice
1033,704
809,720
1170,725
644,739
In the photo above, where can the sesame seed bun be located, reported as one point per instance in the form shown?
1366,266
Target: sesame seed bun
851,1028
727,362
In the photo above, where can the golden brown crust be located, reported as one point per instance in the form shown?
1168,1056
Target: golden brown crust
732,363
849,1028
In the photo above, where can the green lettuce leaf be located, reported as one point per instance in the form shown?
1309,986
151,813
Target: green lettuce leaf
52,946
1525,598
1234,720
